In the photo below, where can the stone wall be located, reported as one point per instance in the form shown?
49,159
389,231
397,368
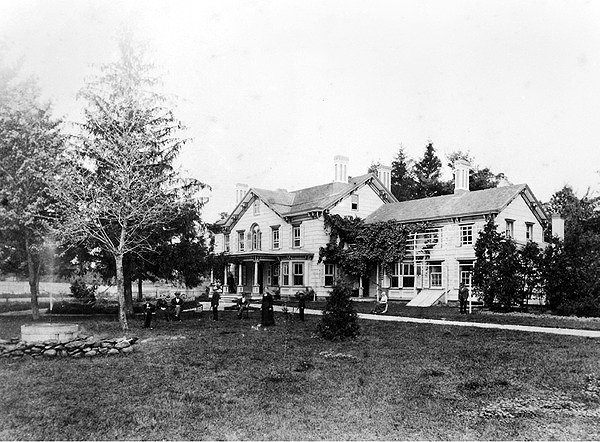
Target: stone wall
83,346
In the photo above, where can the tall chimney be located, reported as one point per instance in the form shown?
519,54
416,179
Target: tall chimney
341,168
384,173
240,192
558,226
461,175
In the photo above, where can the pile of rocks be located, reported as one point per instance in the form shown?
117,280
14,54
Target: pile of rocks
83,346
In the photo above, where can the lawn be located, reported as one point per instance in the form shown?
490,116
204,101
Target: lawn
229,379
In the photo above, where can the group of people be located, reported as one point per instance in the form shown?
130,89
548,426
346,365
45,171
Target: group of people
171,311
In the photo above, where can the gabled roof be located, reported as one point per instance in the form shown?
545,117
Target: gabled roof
462,204
310,199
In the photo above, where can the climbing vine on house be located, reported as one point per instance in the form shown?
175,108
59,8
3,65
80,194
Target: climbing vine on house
357,247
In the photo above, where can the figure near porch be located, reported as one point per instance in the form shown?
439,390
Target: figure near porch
266,309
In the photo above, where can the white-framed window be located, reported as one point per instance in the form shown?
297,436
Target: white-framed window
226,242
285,270
403,275
241,240
529,231
435,274
466,234
354,201
510,229
465,270
298,273
256,237
275,237
275,274
395,277
408,275
257,206
329,275
296,236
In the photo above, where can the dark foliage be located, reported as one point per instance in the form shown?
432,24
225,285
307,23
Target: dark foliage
339,320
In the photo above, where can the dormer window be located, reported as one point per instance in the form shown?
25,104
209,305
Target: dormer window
354,201
529,231
510,229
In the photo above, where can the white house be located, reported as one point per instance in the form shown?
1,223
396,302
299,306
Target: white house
439,259
272,238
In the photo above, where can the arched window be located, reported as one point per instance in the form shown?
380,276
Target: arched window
256,237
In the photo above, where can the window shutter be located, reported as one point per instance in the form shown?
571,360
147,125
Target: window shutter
426,284
291,234
302,235
249,240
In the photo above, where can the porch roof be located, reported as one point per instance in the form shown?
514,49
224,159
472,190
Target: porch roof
268,256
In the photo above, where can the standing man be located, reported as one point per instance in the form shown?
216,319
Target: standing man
463,296
148,311
177,303
301,304
214,304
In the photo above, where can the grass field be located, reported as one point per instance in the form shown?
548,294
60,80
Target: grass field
229,379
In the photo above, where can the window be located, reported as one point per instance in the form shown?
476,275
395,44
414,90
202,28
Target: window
510,228
408,275
296,236
285,269
465,271
275,237
329,275
466,235
241,240
396,275
226,242
435,274
257,206
275,273
403,275
529,231
256,237
354,200
298,273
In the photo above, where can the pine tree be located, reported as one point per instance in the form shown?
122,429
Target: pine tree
339,320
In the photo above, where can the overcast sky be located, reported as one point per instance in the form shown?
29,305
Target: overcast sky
272,90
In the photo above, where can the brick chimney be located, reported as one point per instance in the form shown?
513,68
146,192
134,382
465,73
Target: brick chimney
341,168
461,176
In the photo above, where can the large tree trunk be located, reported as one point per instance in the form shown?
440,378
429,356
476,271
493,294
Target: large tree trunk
127,279
121,292
34,279
140,296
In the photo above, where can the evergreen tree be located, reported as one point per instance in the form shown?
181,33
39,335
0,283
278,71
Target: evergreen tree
339,320
402,180
427,173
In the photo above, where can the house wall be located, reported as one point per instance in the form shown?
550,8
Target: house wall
451,254
368,202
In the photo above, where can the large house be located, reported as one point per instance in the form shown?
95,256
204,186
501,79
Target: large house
443,256
272,237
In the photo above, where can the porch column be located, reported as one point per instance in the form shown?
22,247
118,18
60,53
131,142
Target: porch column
240,287
212,276
256,287
360,287
225,278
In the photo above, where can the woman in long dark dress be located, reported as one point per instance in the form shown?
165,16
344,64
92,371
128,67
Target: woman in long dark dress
266,310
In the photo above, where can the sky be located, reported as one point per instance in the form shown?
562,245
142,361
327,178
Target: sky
271,91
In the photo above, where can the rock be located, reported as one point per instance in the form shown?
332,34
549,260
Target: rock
4,341
86,349
64,353
91,354
103,350
106,344
122,344
77,355
50,352
127,350
113,351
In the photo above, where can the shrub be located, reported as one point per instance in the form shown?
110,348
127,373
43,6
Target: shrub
339,320
81,290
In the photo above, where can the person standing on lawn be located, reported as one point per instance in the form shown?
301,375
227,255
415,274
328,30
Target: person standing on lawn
463,296
214,304
266,310
301,304
148,311
177,303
